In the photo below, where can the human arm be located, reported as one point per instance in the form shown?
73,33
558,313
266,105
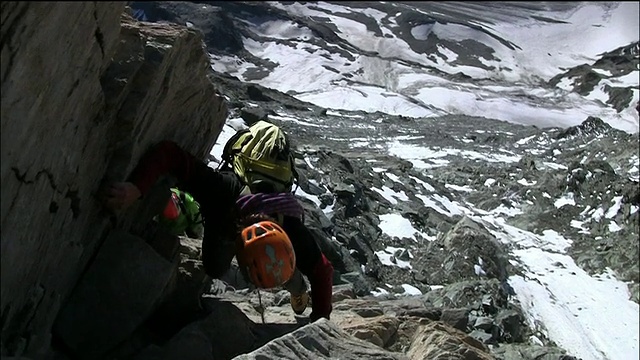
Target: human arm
121,195
165,158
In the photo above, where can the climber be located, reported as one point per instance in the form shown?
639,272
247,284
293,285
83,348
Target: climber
182,215
223,207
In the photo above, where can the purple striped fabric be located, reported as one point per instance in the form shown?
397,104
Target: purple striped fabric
278,203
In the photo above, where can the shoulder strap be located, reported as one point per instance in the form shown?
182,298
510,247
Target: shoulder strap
192,219
181,203
228,150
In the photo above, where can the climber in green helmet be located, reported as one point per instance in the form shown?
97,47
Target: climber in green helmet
182,215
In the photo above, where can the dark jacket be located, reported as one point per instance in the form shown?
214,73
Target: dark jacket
217,192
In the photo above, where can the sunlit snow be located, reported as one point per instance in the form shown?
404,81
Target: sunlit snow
396,225
545,49
387,257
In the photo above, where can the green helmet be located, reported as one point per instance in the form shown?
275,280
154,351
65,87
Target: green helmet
182,215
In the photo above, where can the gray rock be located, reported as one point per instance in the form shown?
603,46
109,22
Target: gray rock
118,86
343,291
470,240
344,190
181,304
218,30
233,278
402,254
485,338
483,323
367,312
360,284
439,341
512,324
326,199
252,115
311,188
457,318
529,352
224,333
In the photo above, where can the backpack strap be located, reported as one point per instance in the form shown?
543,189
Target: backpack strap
192,219
294,171
296,176
183,208
230,148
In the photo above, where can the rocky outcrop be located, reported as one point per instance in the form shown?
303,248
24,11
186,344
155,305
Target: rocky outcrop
321,339
85,91
218,29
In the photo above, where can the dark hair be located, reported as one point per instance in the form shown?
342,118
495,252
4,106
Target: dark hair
252,219
249,220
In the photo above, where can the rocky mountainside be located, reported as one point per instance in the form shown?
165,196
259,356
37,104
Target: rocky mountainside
525,62
484,182
78,283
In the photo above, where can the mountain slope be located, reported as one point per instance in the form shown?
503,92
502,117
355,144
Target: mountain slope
560,203
524,63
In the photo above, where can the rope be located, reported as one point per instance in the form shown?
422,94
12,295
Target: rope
260,307
273,203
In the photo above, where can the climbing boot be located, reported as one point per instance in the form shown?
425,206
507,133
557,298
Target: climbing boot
299,302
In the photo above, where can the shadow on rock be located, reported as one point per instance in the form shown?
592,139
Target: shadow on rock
223,333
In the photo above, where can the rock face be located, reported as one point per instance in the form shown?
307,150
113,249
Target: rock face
85,91
321,339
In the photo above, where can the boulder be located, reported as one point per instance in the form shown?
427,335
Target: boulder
114,297
377,330
438,341
224,333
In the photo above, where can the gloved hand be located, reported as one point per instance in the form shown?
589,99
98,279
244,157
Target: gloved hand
121,195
